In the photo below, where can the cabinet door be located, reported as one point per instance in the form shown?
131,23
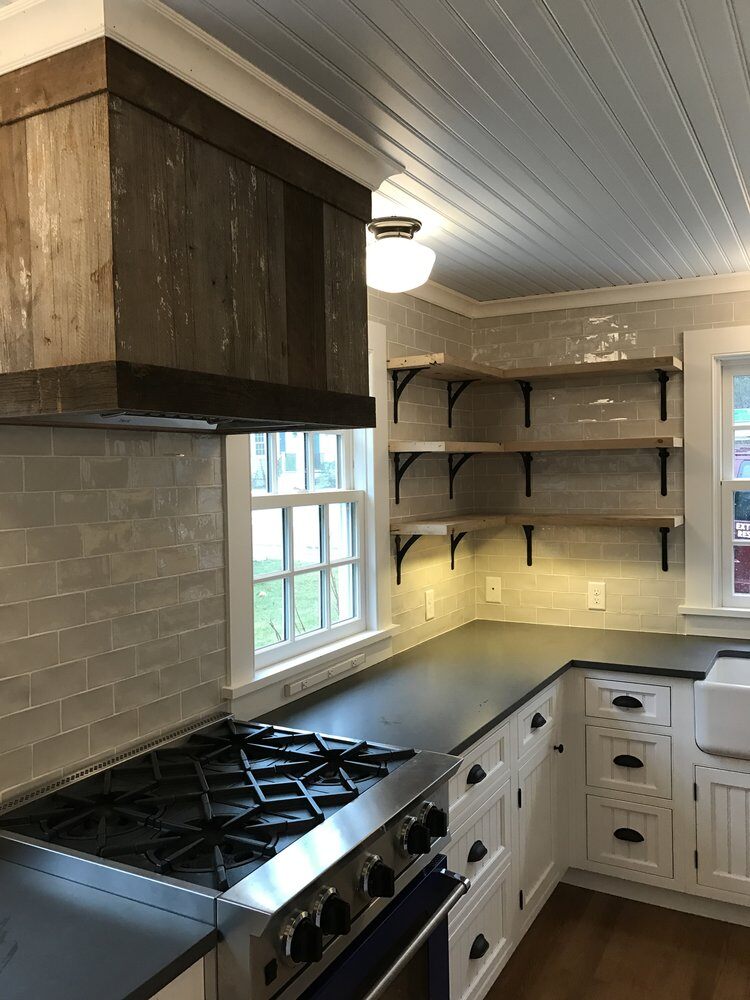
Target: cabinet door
629,761
539,825
723,813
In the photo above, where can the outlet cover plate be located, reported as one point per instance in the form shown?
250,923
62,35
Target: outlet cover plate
429,604
597,596
493,590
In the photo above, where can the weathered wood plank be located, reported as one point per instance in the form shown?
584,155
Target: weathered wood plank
16,340
305,299
345,301
71,235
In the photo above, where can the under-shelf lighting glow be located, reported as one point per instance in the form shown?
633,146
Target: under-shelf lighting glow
395,261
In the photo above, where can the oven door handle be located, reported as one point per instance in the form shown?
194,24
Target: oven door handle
462,887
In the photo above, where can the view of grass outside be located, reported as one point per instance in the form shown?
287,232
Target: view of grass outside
269,604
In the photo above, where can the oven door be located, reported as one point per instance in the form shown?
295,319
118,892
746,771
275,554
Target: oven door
403,954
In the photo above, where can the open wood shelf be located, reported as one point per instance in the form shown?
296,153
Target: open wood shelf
594,444
458,375
457,527
458,452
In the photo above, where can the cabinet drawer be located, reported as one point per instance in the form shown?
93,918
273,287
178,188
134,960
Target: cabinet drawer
481,845
629,835
629,761
630,701
481,939
537,720
482,766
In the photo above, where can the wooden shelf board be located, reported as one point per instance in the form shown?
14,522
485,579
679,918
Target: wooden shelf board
651,520
447,525
589,369
600,444
447,368
446,447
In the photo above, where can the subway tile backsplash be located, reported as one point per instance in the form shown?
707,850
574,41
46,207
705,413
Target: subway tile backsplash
112,608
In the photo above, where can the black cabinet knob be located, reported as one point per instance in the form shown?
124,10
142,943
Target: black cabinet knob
626,701
559,747
305,941
436,821
416,838
378,880
632,836
476,774
335,915
477,851
480,946
627,760
538,720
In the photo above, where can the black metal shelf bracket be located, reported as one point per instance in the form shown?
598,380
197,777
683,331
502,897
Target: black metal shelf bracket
455,542
526,388
663,456
401,551
401,378
453,395
455,464
527,530
400,468
664,532
527,459
663,379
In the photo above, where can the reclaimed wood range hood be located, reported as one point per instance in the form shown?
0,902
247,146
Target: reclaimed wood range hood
165,262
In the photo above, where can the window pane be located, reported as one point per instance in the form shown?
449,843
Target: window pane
259,464
268,542
290,462
741,398
326,459
741,454
742,515
341,530
343,599
269,613
306,524
307,603
742,569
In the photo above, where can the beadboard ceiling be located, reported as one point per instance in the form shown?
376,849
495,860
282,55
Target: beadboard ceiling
563,144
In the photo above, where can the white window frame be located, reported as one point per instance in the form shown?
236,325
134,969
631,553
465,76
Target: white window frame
709,354
730,485
369,460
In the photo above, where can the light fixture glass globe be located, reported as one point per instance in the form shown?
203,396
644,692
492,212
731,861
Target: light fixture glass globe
395,264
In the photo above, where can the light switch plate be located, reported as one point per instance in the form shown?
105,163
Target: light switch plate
429,604
492,590
597,596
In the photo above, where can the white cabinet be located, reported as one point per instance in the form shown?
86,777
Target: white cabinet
538,825
482,844
484,765
536,722
628,701
188,986
723,814
629,761
482,939
627,834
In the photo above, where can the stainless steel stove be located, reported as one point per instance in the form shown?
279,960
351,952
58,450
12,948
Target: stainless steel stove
293,843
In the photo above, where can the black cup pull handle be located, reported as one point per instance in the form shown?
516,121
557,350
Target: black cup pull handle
627,701
476,774
479,947
538,721
627,760
632,836
477,851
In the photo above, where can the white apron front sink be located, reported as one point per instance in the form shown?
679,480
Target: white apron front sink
722,708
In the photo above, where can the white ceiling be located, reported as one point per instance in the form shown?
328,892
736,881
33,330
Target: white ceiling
564,143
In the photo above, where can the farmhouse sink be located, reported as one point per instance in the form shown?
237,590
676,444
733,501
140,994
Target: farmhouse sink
722,708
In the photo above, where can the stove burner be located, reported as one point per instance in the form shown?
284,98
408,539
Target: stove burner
213,807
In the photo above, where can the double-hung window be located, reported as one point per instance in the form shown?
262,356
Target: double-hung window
307,542
735,484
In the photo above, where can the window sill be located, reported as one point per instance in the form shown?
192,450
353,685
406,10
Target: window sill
297,666
715,612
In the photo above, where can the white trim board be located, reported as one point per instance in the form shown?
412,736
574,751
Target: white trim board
712,284
35,29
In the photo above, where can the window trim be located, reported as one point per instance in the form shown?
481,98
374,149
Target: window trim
706,353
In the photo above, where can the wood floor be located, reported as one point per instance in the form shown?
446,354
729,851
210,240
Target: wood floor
589,946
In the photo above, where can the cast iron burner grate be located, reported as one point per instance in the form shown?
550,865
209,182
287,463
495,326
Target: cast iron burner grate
212,808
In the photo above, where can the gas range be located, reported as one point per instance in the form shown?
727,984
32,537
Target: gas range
291,842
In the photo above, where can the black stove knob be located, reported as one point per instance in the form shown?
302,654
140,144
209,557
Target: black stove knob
302,939
435,819
377,881
332,913
415,837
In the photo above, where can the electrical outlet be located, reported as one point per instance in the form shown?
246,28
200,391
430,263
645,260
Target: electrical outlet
597,596
492,590
429,604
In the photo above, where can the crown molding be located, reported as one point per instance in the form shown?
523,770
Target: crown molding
35,29
647,291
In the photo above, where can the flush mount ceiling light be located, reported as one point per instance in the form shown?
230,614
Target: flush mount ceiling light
395,261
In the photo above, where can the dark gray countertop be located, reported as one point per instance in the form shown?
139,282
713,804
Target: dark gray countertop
60,940
446,693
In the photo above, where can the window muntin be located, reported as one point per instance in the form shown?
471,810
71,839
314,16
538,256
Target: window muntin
307,536
735,485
